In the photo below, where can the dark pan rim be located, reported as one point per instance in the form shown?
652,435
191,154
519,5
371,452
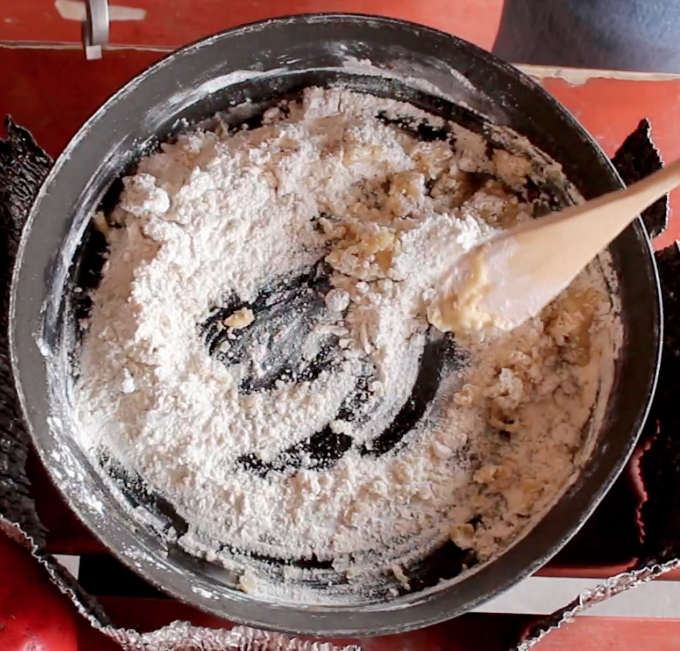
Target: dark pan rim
519,561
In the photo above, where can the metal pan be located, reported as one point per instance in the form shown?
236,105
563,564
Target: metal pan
261,63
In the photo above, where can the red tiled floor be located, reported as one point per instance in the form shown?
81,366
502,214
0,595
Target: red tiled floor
176,22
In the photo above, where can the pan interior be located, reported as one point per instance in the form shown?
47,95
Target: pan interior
46,305
242,105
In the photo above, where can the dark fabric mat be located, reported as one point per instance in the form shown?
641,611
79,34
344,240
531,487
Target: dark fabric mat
660,465
23,167
636,158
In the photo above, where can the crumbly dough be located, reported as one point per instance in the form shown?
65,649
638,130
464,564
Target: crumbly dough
461,310
240,319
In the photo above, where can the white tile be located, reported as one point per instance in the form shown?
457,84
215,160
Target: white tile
545,595
71,563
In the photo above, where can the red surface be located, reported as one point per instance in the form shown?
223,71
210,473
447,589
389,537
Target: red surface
34,616
614,634
53,91
176,22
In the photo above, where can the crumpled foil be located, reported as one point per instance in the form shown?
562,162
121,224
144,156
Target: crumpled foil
24,166
181,636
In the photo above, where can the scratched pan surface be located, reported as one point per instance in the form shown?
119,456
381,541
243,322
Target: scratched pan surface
61,252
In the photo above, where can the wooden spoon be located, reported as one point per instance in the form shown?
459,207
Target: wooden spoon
512,277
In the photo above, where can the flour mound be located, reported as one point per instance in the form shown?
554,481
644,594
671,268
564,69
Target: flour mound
259,352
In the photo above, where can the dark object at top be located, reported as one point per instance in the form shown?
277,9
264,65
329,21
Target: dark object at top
639,35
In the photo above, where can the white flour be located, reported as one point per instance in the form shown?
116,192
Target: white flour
206,236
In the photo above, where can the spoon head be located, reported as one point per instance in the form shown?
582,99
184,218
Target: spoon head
497,286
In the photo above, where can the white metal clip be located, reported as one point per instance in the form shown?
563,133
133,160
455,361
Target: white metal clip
95,28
